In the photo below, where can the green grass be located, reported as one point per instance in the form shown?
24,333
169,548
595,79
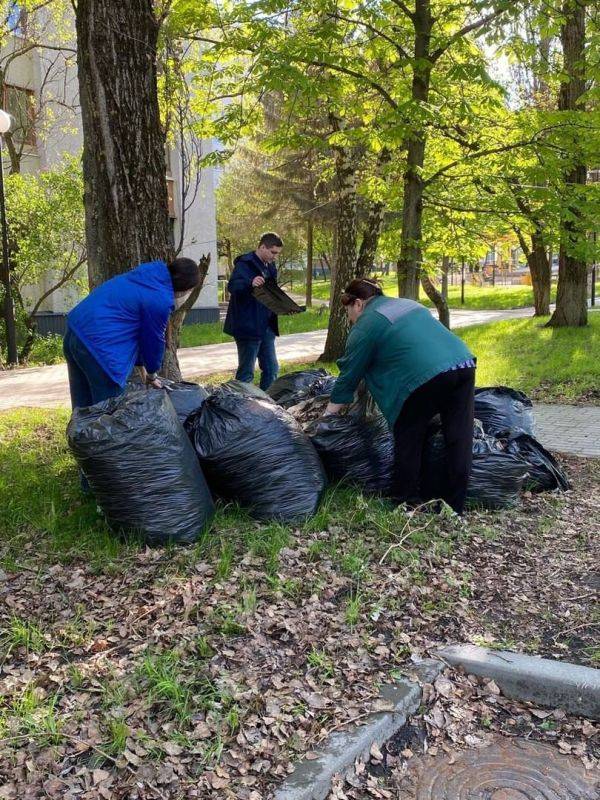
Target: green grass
42,510
550,363
476,297
212,332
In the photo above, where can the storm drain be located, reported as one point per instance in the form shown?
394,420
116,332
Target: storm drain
507,770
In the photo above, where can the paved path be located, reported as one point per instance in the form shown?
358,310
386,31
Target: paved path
48,387
569,429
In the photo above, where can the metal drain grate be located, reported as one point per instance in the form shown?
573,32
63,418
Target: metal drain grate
508,770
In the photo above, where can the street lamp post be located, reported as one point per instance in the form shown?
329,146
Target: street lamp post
9,311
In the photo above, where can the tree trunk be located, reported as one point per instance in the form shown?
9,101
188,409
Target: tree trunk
170,366
437,299
409,264
571,295
345,263
539,268
309,261
370,239
445,269
124,163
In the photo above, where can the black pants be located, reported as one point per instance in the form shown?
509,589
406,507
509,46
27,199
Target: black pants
450,395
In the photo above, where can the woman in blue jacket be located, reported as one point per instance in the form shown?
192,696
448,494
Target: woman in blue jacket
122,324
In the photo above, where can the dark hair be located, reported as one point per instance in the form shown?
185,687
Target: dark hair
270,240
185,274
361,289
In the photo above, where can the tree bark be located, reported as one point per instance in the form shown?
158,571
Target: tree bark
124,162
170,367
370,239
539,269
309,261
345,264
445,269
571,295
440,302
409,264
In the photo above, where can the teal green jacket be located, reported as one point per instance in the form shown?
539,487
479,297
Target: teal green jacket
396,346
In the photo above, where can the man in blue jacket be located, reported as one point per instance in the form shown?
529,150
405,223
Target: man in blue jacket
251,324
122,324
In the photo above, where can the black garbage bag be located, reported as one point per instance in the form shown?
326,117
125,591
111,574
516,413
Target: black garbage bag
185,396
141,467
254,452
500,408
355,448
496,479
544,471
292,388
245,389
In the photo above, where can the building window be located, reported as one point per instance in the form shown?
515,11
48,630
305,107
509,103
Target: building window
20,103
16,19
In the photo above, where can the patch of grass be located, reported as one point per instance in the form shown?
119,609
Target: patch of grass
161,677
353,608
212,332
319,662
35,714
550,363
117,732
42,508
23,633
476,297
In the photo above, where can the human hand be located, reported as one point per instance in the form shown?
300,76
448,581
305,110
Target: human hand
156,384
333,408
258,281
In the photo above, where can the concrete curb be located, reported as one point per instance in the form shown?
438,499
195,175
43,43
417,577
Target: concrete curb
554,684
311,780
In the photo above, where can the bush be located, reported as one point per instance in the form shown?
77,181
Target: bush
47,350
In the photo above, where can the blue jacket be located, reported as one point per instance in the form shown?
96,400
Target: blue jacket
246,317
124,320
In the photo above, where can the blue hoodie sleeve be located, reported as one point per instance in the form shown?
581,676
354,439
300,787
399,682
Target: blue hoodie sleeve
152,336
241,280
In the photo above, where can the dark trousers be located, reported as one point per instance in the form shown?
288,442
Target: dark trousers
450,395
88,382
262,349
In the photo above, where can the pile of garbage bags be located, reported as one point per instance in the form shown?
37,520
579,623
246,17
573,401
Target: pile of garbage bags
357,447
157,459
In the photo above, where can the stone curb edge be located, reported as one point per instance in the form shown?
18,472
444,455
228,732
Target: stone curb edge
311,780
549,683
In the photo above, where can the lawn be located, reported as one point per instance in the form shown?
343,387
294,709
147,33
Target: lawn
208,669
551,364
476,297
212,332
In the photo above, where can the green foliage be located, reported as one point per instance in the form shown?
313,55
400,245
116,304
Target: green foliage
46,217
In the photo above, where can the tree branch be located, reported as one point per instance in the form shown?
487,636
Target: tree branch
479,23
489,152
374,30
353,74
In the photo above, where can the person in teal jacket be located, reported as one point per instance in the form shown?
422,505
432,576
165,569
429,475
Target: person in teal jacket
414,368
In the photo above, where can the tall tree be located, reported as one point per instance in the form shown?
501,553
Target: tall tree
124,162
571,296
